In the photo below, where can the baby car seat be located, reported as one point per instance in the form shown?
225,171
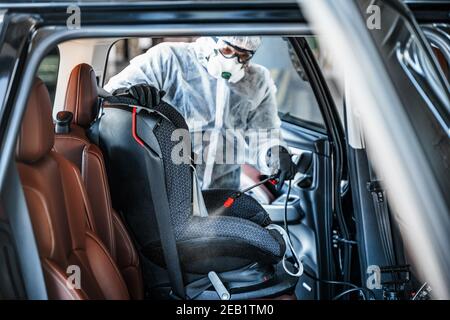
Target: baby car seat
157,199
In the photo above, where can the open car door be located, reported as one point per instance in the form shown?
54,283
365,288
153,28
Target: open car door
20,269
403,111
312,129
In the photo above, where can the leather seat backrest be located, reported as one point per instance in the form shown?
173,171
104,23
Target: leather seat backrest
59,207
82,101
82,95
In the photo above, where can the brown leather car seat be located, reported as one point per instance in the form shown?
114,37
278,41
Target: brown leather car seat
59,208
81,101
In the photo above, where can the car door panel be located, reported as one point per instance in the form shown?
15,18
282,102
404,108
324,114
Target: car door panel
11,283
306,203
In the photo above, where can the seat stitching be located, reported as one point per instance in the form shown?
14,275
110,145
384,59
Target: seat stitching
124,234
59,278
88,212
78,93
113,264
47,215
70,137
107,199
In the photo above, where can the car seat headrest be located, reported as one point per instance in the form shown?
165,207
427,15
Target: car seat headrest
82,95
36,137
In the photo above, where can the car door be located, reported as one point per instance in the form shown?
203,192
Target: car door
400,100
421,79
20,269
423,88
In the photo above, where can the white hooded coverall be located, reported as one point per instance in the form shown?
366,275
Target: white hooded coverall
227,114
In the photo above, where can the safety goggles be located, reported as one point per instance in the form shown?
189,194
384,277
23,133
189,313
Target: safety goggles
228,51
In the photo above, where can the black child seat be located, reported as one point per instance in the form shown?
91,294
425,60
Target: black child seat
155,197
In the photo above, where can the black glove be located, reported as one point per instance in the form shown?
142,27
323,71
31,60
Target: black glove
287,168
145,95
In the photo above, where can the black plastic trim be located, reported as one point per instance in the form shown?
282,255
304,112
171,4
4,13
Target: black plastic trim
166,12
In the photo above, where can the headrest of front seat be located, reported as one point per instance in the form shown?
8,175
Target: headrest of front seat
82,95
36,137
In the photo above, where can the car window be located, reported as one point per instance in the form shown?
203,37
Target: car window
122,51
296,100
419,69
48,71
328,67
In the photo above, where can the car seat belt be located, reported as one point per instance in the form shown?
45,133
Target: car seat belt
165,228
93,130
382,216
162,212
167,237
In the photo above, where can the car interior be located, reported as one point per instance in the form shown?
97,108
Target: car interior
90,163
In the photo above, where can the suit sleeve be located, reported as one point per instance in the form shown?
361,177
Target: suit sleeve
266,124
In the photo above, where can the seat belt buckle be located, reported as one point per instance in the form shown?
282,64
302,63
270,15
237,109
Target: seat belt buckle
219,286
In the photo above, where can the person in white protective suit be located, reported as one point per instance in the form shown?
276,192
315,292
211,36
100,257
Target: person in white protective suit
225,99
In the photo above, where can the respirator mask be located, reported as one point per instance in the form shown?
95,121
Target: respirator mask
228,62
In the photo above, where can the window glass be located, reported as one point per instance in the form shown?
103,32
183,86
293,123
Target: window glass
296,100
124,50
333,78
48,72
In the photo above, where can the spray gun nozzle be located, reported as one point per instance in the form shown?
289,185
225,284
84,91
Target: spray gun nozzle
229,202
231,199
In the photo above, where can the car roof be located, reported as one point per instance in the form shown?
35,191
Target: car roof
131,12
109,2
38,3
